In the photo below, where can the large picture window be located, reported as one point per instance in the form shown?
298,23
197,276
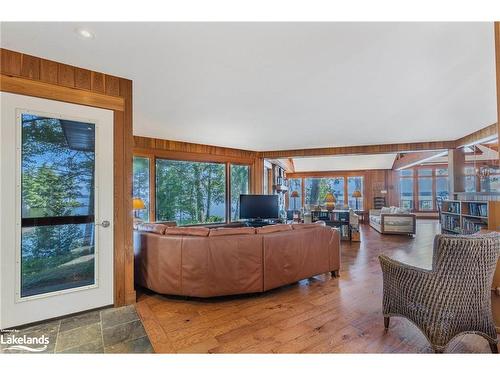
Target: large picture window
240,184
190,192
421,187
316,190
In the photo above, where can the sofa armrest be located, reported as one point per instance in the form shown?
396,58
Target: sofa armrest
374,212
399,215
406,223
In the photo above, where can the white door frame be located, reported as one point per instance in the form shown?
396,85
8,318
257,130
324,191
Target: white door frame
15,310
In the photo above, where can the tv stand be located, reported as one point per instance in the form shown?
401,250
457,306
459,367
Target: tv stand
257,223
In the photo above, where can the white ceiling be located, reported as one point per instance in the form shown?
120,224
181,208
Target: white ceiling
269,86
344,163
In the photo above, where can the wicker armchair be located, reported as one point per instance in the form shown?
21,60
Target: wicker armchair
451,299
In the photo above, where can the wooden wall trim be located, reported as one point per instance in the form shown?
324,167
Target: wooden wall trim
17,64
33,76
44,90
191,156
154,145
356,150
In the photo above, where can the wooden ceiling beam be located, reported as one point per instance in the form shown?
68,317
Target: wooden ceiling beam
484,133
414,158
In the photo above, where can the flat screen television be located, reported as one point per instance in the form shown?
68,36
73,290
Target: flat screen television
258,207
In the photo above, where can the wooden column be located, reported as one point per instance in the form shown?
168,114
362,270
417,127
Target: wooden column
257,183
456,171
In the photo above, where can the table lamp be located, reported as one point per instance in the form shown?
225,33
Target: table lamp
330,201
138,204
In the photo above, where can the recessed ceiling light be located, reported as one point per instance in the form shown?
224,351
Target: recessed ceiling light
84,33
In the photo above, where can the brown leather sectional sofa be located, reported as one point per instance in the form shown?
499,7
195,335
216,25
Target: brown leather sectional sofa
203,262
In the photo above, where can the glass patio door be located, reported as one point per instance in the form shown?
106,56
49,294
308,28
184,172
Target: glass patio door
59,196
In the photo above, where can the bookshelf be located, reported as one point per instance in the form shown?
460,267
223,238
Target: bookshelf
467,217
336,218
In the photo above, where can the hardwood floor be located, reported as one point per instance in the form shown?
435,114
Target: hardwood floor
318,315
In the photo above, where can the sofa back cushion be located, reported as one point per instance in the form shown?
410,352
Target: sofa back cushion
168,223
385,211
151,227
274,228
231,231
317,224
187,231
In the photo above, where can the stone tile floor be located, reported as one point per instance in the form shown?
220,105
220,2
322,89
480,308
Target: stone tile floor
112,330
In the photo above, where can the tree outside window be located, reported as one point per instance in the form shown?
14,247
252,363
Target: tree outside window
240,184
190,192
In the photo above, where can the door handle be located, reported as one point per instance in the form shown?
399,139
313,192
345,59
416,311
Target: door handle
104,224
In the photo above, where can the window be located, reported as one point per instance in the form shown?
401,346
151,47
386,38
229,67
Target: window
295,185
318,188
470,179
406,189
57,204
421,187
442,190
490,181
190,192
141,184
355,184
425,201
239,185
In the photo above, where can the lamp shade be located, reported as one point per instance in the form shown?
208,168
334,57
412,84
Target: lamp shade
138,204
356,194
330,198
295,194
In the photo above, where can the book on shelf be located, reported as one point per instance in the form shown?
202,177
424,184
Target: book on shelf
478,209
450,223
473,225
452,207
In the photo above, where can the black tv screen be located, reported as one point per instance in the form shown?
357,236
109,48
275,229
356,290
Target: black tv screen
258,206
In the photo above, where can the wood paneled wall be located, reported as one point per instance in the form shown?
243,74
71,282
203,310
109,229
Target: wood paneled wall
33,76
169,148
